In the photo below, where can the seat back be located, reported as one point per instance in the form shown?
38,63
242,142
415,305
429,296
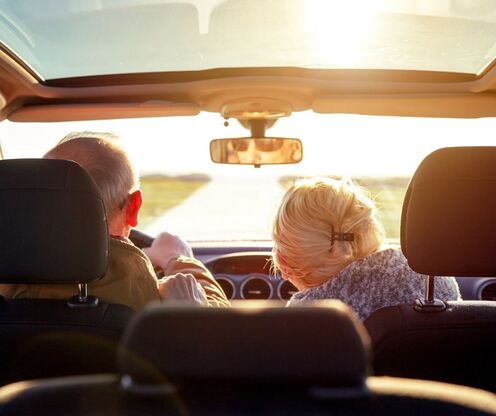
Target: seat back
448,228
454,346
254,359
253,343
53,230
42,338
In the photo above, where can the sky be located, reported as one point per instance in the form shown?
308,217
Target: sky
344,145
72,38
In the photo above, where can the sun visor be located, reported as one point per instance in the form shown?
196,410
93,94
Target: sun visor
409,105
102,111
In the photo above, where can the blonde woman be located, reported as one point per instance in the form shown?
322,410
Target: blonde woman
330,245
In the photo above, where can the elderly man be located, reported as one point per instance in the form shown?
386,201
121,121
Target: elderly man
130,277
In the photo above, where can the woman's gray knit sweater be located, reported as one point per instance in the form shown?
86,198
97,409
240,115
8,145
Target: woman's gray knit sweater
378,280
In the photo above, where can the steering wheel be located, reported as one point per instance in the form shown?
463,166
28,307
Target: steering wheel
141,239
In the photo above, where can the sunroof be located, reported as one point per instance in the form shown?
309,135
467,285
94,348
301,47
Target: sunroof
73,38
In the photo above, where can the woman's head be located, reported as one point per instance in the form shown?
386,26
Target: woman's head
310,211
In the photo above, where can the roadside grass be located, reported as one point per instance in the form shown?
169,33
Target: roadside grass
387,193
161,193
389,201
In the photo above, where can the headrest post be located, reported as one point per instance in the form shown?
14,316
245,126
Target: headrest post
82,300
429,289
83,292
429,303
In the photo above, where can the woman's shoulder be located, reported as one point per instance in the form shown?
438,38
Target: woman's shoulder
387,259
389,273
364,272
381,279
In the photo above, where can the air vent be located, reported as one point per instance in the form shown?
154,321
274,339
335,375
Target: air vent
256,288
286,289
227,286
489,292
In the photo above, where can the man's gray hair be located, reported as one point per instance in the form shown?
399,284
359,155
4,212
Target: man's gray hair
105,161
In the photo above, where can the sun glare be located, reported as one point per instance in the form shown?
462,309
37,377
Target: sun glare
339,30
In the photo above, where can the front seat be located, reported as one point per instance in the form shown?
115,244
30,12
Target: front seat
253,359
53,230
448,228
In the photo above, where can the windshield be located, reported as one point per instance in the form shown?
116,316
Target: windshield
187,194
74,38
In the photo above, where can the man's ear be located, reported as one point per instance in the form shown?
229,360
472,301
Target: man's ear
135,200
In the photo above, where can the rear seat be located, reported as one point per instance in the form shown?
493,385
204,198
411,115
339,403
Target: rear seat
254,359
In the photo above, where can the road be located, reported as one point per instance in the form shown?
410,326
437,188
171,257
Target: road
224,209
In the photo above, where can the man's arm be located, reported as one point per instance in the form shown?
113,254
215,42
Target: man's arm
182,287
173,255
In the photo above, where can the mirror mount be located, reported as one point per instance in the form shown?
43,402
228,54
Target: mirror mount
257,127
260,125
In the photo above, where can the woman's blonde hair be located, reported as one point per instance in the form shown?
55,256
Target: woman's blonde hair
310,211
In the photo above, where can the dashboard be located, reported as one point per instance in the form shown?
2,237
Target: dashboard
249,275
244,271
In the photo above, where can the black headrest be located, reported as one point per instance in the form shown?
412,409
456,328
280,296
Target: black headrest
321,343
53,227
448,223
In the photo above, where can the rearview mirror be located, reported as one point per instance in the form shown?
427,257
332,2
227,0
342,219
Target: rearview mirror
256,151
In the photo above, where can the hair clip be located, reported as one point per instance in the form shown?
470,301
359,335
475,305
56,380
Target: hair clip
336,236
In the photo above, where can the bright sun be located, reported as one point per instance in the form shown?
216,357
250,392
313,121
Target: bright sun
340,30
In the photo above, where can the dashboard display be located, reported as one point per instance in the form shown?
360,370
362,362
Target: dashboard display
247,264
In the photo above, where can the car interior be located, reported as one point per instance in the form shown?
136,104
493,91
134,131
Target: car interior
231,101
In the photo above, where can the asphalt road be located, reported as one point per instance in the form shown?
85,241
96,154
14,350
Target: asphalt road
224,209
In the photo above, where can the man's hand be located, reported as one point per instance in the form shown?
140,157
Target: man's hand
182,287
165,247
